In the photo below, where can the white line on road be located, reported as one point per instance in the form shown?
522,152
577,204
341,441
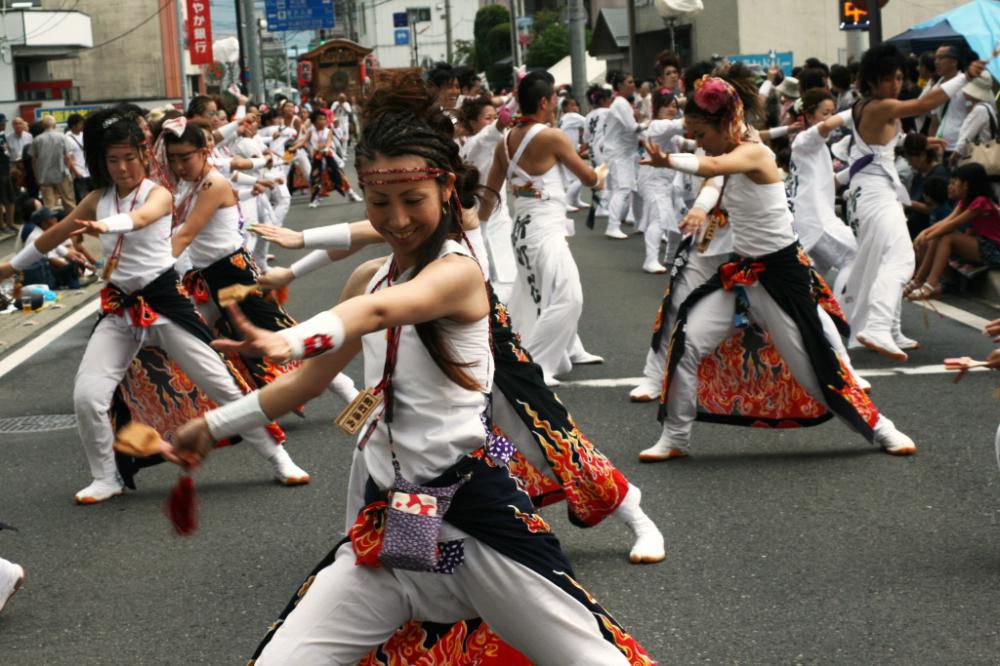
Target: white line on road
935,369
958,314
36,345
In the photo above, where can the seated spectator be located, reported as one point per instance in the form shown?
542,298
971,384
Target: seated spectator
980,125
926,163
62,268
976,207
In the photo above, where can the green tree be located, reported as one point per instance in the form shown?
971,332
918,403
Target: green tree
488,18
497,45
465,53
548,47
274,68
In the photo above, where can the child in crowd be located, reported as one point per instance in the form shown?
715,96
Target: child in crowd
976,207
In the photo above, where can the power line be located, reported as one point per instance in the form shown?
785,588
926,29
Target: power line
166,4
44,27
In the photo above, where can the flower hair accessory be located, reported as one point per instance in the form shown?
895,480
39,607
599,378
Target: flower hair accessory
110,121
718,98
797,107
159,168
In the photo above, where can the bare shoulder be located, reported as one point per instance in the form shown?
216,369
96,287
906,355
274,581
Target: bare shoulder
362,275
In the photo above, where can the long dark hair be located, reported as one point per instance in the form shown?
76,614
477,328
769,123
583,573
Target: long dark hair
402,118
114,126
977,182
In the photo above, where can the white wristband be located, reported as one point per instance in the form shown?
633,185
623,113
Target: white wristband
244,179
241,112
319,335
237,417
847,116
331,237
707,198
246,193
313,261
27,257
777,132
119,224
684,162
765,88
954,84
259,162
229,130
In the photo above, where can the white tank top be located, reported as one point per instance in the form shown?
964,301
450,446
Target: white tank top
317,139
435,421
549,184
220,237
146,253
759,216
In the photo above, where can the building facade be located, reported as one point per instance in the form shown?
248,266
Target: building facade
425,41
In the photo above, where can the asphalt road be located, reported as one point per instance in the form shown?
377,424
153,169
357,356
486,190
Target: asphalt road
796,546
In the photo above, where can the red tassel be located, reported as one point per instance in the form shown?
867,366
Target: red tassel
182,506
279,295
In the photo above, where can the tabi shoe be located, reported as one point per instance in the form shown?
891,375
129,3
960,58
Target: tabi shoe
12,577
904,342
354,196
656,268
896,442
286,471
647,391
883,344
100,490
585,358
551,381
648,547
314,203
616,234
572,209
660,451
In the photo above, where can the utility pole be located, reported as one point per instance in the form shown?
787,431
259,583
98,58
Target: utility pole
447,30
243,51
514,60
180,53
249,40
577,50
874,23
632,44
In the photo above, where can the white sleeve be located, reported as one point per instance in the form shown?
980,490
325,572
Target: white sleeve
973,124
623,112
663,130
765,88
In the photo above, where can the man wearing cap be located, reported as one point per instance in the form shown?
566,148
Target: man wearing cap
980,124
788,89
6,186
948,119
48,158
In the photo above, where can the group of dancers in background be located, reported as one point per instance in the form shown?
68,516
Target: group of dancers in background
469,321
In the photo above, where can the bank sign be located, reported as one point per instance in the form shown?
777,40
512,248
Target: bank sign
782,59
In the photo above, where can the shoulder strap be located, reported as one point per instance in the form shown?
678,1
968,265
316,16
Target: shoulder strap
512,163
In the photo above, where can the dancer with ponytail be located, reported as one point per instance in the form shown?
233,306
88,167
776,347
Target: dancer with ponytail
768,281
621,149
475,550
144,302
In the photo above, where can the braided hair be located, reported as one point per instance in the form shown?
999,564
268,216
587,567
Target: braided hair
113,126
402,118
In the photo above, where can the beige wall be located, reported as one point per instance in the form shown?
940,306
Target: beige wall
717,29
809,27
131,67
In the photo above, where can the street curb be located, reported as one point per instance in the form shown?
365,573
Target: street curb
12,340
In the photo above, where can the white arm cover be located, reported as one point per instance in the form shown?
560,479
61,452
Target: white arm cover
334,236
241,111
245,193
237,417
777,132
707,198
229,130
687,144
244,179
28,256
684,162
954,84
765,88
311,262
259,162
319,335
119,224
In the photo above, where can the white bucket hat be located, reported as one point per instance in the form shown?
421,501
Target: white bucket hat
789,87
980,88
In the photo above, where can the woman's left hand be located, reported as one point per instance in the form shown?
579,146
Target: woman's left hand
90,227
657,157
191,444
256,342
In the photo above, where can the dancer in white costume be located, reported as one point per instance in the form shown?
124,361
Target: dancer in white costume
133,216
593,137
484,129
661,204
829,242
573,124
435,382
873,293
548,298
773,282
621,148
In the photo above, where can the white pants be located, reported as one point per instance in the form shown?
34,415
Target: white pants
660,219
302,162
351,609
709,323
573,186
503,264
697,272
109,352
621,182
873,292
547,300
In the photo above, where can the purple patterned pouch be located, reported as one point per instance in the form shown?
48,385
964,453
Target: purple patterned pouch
413,523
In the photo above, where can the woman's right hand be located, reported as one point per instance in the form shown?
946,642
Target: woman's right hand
975,69
992,329
7,271
89,227
256,342
286,238
276,278
192,444
693,221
